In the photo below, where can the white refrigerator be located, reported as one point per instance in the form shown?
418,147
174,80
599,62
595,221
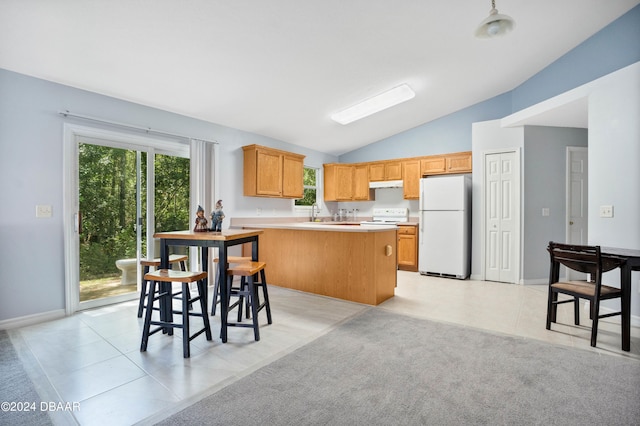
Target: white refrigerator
445,222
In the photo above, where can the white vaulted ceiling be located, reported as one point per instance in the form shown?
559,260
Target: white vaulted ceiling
280,68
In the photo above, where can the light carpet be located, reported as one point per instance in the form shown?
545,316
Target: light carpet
382,368
18,396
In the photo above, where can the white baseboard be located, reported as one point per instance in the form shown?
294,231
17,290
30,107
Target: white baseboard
535,281
31,319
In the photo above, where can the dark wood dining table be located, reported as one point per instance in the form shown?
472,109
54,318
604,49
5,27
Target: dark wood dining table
629,261
205,240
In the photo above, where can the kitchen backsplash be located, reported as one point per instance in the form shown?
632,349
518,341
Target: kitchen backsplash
385,197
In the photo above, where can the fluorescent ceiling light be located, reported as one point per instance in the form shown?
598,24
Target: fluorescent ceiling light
375,104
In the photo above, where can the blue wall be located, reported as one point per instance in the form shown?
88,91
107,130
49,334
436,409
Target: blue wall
614,47
610,49
451,133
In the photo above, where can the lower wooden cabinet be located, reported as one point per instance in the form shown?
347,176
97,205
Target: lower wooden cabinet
408,248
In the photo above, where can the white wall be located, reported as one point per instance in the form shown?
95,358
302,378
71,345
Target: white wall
614,166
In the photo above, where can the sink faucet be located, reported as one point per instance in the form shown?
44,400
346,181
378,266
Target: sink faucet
314,213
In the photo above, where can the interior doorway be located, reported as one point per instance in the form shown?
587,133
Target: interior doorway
577,186
577,195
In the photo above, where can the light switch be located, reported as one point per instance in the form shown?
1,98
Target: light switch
545,211
606,211
44,210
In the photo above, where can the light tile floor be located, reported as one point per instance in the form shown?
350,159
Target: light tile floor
93,357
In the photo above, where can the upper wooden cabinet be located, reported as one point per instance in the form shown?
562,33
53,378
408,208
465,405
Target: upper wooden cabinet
347,182
385,170
393,170
361,190
350,182
459,162
433,165
338,182
270,172
411,173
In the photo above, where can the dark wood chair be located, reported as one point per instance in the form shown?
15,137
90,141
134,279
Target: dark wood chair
584,259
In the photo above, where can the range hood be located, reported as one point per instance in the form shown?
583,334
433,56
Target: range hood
386,184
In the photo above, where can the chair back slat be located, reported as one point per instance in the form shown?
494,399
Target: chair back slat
586,259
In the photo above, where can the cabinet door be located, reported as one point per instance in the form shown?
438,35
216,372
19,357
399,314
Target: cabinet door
433,165
361,183
459,163
344,182
393,170
292,177
361,191
269,173
411,179
376,172
407,248
329,177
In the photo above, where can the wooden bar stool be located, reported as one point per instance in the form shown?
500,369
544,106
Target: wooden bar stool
216,287
248,291
155,263
169,276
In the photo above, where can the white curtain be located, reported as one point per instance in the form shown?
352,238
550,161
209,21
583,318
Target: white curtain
204,186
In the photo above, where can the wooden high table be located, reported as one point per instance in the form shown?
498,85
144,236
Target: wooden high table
222,240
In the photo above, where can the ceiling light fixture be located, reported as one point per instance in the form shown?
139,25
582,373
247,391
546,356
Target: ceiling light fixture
375,104
495,25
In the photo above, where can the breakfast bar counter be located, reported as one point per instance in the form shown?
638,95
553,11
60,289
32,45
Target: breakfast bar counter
336,259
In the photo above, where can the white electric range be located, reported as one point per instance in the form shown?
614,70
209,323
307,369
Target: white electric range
388,216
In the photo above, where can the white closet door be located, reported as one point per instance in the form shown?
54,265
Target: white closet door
501,217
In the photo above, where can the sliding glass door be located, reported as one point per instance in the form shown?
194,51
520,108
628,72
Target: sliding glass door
110,191
125,194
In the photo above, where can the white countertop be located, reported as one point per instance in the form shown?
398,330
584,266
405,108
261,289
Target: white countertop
323,226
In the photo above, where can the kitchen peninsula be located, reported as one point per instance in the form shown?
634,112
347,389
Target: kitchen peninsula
346,261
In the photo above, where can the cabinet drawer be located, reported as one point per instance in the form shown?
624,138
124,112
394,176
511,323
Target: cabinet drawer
406,229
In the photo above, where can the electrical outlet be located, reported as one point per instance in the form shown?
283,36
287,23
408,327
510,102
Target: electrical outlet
44,210
258,211
606,211
545,211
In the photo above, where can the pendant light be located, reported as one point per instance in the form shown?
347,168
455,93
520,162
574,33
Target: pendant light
495,25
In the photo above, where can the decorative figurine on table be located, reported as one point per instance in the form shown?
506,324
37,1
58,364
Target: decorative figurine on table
216,217
201,221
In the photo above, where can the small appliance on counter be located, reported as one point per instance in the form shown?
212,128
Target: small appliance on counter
445,222
388,216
